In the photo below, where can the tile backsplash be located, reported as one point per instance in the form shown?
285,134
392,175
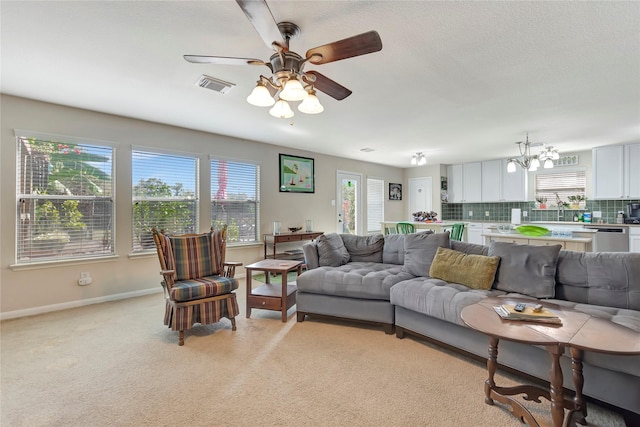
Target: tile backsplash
501,212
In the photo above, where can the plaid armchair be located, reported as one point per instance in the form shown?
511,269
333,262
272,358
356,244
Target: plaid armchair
198,283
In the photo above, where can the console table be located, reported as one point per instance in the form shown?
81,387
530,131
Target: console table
271,241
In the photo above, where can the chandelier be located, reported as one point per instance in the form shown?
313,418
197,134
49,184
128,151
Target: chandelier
531,162
418,159
286,85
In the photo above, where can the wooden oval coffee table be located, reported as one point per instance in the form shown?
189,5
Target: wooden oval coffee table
579,332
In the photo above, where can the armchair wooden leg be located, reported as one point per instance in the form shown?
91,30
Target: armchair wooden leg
180,337
233,323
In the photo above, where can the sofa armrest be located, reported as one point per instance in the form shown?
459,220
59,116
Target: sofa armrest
311,257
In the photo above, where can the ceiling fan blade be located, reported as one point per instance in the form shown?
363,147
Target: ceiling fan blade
361,44
328,86
222,60
260,16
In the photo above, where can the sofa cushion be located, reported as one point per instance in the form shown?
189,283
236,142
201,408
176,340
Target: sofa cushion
363,280
393,250
419,250
526,269
331,250
437,298
474,271
364,248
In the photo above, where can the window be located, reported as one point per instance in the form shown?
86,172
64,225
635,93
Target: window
165,196
560,184
64,200
235,199
375,205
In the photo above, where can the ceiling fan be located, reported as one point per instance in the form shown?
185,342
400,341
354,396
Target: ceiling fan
289,81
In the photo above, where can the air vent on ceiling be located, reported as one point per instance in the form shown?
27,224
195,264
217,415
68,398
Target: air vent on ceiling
214,84
367,150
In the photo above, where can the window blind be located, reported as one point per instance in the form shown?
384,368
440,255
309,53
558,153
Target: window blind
375,205
64,200
235,199
564,184
165,195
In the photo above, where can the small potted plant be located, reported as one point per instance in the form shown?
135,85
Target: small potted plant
542,202
577,201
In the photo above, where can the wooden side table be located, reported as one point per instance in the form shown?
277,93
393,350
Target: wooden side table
268,296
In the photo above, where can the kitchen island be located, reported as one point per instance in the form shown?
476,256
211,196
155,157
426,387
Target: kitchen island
579,241
389,227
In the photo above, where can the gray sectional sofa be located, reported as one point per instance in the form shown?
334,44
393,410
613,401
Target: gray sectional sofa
386,280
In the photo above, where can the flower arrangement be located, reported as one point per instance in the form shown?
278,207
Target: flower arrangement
423,216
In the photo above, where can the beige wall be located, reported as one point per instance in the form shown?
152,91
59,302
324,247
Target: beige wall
28,290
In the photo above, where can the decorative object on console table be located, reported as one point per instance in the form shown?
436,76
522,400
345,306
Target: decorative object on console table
308,225
395,191
297,174
277,227
295,229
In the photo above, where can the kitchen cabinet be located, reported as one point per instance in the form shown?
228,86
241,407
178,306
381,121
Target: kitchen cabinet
498,185
632,171
634,239
615,172
465,182
577,244
474,233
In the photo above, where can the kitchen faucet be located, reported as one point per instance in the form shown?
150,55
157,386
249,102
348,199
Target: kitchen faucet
560,205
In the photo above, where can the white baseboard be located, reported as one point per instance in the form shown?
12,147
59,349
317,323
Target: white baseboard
73,304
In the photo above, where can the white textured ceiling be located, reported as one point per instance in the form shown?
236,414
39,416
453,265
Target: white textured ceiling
459,81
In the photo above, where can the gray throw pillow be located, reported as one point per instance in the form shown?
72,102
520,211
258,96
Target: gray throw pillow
364,248
526,269
331,251
419,250
393,250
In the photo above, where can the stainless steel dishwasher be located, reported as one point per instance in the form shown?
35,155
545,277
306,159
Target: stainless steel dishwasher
609,238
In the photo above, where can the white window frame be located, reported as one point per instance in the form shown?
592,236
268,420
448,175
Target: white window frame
375,204
564,190
80,207
156,209
229,207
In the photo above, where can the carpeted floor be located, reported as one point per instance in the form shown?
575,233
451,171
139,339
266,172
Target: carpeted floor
116,364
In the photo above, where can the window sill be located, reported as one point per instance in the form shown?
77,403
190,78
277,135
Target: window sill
62,263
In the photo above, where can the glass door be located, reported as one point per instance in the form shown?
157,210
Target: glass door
348,211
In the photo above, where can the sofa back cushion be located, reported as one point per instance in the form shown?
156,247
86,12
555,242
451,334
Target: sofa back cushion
420,249
526,269
469,248
474,271
601,278
393,250
331,250
364,248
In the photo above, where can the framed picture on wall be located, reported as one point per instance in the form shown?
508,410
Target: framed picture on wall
395,191
297,174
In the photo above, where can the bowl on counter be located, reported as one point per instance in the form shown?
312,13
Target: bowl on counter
505,228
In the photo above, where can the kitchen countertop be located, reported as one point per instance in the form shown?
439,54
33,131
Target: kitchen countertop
522,236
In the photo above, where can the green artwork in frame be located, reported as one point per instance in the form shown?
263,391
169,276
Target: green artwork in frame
297,174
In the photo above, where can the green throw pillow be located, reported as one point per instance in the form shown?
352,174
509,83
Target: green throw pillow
474,271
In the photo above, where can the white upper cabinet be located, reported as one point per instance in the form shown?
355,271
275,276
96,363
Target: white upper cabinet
609,172
498,185
632,171
465,183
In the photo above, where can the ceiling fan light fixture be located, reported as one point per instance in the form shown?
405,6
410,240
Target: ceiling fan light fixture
293,90
260,96
281,110
311,104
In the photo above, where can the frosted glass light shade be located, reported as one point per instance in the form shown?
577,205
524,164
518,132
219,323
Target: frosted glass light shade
281,110
293,90
311,104
511,167
548,164
260,96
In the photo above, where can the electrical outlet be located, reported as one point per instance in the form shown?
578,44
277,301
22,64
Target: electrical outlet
525,214
486,213
85,278
470,213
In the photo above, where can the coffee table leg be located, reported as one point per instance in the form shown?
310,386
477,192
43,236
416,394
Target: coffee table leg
492,364
555,378
578,382
284,296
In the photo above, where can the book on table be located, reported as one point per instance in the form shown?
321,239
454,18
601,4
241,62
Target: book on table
507,311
